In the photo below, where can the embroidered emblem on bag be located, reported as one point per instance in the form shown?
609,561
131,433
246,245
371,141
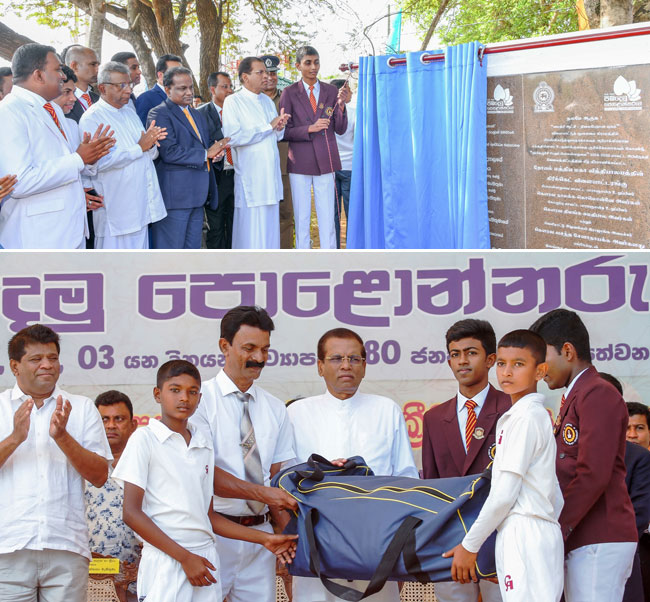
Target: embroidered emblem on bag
570,434
492,451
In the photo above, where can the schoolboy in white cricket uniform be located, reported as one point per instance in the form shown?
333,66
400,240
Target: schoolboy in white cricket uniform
525,499
167,469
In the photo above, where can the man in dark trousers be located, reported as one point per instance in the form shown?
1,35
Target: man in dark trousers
597,520
220,220
184,165
459,434
152,98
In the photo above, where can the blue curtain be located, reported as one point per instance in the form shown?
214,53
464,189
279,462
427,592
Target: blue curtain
419,174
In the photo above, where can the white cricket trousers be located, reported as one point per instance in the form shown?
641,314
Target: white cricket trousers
450,591
301,187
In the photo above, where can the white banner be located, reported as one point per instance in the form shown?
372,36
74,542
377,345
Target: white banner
121,315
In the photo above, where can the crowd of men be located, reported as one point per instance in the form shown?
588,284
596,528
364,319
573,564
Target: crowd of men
59,462
89,165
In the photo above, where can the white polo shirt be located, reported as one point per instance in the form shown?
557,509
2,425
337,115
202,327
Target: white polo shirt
41,494
177,480
364,425
220,412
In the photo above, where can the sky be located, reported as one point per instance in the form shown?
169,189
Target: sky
333,35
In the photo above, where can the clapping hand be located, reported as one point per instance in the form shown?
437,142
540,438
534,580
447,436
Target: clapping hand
7,184
59,419
218,149
22,420
152,136
281,120
92,149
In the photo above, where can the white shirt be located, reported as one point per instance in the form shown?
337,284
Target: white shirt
126,176
78,93
345,142
220,411
525,461
247,122
42,501
177,480
316,89
227,165
573,382
47,208
364,425
462,410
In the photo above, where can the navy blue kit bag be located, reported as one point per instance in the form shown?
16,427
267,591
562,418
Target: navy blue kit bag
354,525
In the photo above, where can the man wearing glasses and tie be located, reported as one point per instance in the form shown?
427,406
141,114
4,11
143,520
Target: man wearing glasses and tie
343,422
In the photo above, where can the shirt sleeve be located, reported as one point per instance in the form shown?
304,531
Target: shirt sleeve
284,447
94,436
503,494
133,465
402,456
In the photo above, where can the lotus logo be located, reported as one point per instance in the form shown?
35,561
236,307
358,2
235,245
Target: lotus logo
503,94
622,86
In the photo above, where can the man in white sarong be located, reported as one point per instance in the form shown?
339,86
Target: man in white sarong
251,121
126,177
342,423
47,206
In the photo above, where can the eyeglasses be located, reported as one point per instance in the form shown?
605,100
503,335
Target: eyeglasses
353,360
121,86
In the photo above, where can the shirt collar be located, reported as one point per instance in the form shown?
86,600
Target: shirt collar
161,87
108,107
350,400
29,95
573,382
163,432
216,106
250,94
526,401
306,85
227,386
17,394
78,92
479,399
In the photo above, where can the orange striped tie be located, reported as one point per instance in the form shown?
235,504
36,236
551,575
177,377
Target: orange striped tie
193,124
50,109
86,97
228,152
562,403
312,98
471,421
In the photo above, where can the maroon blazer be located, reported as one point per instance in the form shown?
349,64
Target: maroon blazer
443,452
312,154
590,437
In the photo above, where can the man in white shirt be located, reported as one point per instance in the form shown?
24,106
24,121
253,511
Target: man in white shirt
251,434
251,121
344,422
126,177
47,208
50,443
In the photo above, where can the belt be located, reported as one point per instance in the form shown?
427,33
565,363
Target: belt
249,521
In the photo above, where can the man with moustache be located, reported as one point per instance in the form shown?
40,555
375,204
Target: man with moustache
272,63
184,166
251,434
220,220
47,207
126,177
50,443
343,422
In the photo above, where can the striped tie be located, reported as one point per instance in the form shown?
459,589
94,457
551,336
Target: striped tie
562,404
250,451
193,124
312,98
87,99
228,152
471,422
50,109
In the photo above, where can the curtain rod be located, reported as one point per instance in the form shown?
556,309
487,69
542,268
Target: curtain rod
595,36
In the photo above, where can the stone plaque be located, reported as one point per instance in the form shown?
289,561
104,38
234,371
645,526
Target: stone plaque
583,180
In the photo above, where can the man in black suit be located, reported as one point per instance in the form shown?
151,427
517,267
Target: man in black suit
152,98
220,220
133,65
85,64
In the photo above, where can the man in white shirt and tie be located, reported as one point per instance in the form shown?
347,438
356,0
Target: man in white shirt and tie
251,434
126,177
50,443
343,422
47,207
251,121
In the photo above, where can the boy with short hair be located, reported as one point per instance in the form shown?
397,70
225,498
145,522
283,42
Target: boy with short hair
525,499
459,435
167,468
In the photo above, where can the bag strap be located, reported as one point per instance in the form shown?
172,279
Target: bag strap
383,570
316,463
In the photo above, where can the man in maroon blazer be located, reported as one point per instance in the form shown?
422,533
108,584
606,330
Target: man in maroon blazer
458,437
317,112
597,520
